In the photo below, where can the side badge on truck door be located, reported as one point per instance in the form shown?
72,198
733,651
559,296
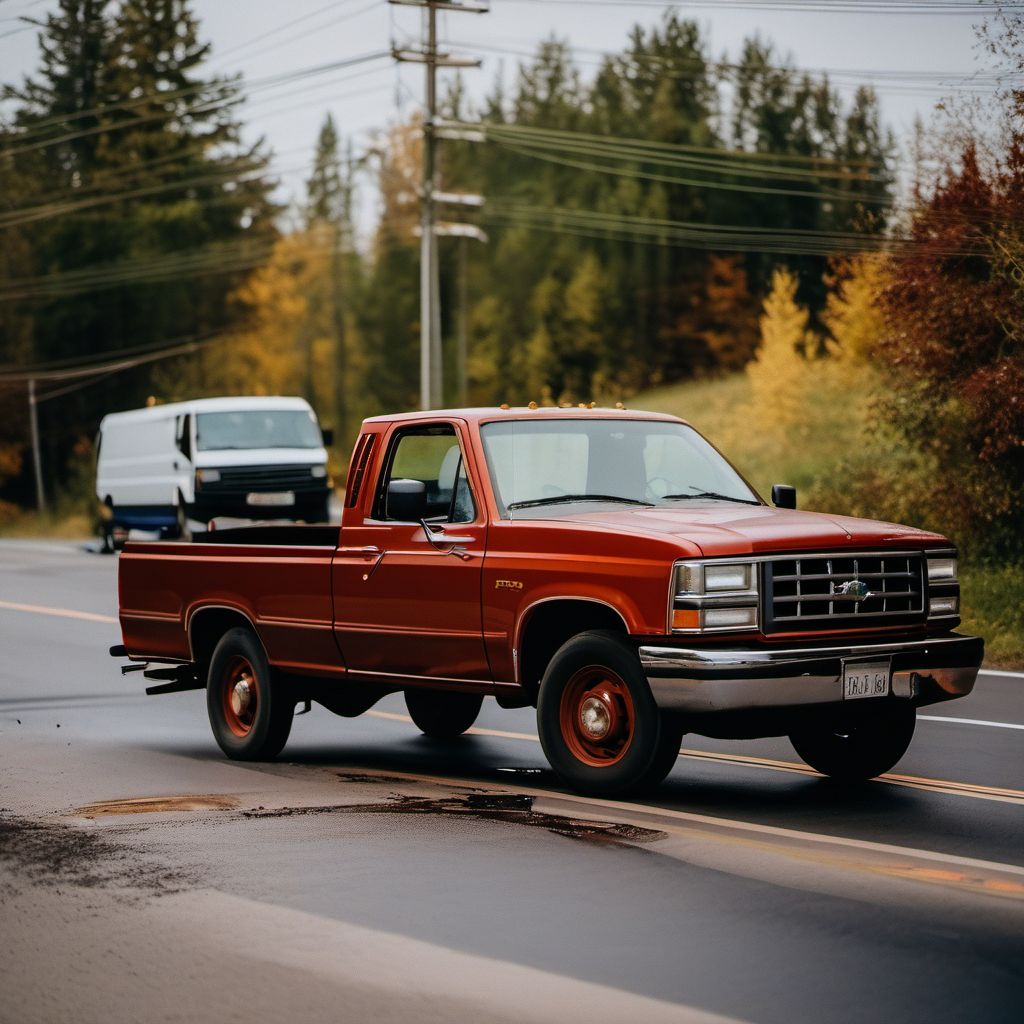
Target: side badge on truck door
508,585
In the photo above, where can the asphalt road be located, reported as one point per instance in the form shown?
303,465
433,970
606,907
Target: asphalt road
372,873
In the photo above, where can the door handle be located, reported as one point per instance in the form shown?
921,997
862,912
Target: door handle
364,552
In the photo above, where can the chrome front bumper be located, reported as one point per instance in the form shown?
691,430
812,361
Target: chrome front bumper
713,679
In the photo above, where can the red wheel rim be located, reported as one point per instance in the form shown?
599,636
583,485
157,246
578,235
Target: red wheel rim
240,695
597,716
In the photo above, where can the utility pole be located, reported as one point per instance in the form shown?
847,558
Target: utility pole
37,463
431,375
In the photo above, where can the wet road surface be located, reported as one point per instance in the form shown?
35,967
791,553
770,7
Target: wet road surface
373,872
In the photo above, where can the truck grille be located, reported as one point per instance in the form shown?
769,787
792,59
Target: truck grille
806,592
247,479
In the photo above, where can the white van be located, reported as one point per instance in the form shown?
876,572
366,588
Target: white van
263,458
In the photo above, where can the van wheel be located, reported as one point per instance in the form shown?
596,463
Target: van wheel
440,715
250,711
181,528
855,747
598,723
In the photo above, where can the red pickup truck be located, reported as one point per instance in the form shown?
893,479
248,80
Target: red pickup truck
608,567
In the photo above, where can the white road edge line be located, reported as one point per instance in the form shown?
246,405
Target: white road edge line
1000,672
969,721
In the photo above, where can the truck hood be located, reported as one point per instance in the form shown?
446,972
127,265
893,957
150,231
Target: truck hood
719,528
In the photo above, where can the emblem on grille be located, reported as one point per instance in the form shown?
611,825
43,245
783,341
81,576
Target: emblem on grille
851,590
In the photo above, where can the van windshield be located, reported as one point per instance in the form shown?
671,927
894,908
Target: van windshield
257,428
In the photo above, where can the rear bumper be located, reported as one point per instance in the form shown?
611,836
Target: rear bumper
696,680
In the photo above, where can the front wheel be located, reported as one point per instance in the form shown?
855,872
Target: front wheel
854,746
598,723
250,713
441,715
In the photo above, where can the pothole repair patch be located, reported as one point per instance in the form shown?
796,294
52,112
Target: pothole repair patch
157,805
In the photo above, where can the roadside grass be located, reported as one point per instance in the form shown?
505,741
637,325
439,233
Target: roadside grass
48,526
817,461
993,607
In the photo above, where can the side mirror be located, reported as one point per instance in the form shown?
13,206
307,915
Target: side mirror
407,500
784,496
328,435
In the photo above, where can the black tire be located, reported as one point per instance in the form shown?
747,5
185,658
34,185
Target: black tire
107,537
255,729
182,531
598,674
857,744
441,715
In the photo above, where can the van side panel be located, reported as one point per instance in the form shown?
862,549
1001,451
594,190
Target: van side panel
139,469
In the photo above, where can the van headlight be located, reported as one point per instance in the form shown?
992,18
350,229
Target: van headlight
207,476
319,472
714,595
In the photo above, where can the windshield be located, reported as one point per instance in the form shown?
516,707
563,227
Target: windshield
257,428
546,466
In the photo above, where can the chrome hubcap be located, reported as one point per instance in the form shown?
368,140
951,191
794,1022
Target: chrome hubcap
241,696
595,718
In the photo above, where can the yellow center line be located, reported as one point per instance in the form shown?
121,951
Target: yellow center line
63,613
1014,796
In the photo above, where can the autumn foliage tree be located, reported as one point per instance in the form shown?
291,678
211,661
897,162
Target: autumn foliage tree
955,308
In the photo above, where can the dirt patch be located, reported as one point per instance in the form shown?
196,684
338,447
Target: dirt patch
515,809
55,854
157,805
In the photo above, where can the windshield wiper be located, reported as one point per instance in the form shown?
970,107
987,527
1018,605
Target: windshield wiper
558,499
709,494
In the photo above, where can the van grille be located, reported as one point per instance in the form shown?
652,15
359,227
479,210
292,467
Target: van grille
248,479
806,592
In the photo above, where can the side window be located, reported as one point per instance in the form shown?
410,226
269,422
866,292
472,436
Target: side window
432,456
183,432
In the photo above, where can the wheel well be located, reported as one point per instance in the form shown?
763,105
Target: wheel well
549,626
207,626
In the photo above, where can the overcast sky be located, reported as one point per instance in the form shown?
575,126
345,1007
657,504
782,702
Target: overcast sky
265,38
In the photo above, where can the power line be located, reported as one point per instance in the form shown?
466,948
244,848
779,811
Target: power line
81,199
916,7
234,94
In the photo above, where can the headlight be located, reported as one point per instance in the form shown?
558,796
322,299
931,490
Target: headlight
319,472
709,596
208,476
949,605
940,569
943,586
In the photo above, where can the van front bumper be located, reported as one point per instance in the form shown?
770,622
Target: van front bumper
711,679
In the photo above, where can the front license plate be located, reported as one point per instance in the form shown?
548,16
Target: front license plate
277,498
866,679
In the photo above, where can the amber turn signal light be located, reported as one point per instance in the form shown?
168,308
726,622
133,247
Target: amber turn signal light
686,618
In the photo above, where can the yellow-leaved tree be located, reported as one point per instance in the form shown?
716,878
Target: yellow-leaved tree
286,344
854,315
780,375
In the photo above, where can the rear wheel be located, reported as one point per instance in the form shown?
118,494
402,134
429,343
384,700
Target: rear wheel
181,528
853,746
250,714
441,715
598,723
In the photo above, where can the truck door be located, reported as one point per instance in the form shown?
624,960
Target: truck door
406,603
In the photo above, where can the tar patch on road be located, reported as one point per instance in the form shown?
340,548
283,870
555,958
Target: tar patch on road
513,809
55,854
